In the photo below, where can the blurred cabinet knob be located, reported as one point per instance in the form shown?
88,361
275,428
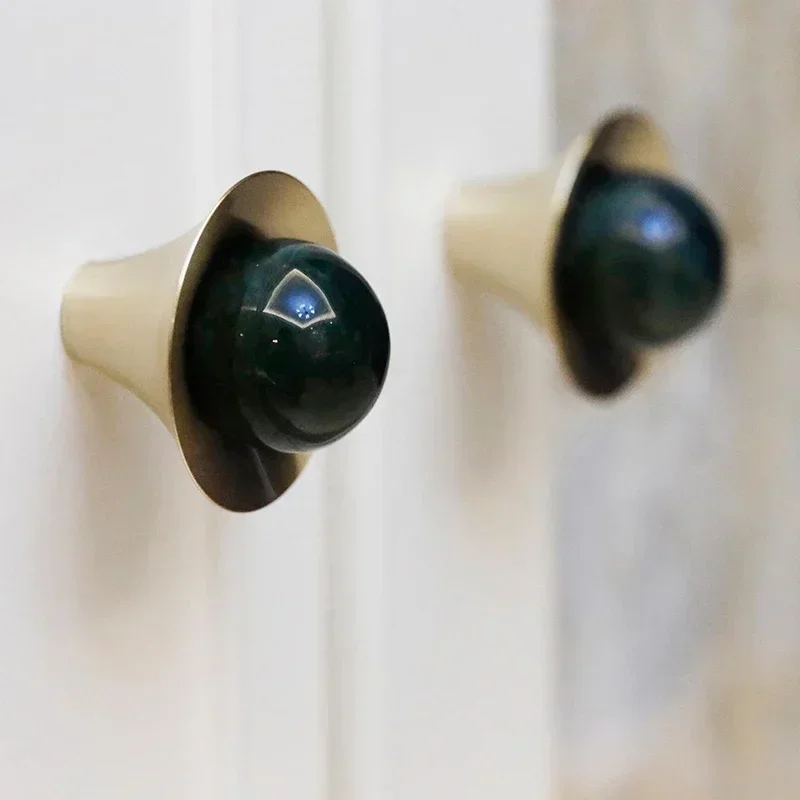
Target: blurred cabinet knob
606,249
251,339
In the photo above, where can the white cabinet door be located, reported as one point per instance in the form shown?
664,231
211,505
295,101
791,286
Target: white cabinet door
384,630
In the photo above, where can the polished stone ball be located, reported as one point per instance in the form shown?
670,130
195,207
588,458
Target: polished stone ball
641,258
287,345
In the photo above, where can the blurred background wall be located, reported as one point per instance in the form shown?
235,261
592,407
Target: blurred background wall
679,504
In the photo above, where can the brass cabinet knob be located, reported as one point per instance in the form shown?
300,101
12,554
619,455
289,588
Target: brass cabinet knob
252,340
606,249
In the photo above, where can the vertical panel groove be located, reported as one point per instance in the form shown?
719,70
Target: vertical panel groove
216,82
354,191
215,85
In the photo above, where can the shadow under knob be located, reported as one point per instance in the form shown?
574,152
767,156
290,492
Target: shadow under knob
287,345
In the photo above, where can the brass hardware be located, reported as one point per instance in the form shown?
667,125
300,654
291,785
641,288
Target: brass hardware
504,235
128,318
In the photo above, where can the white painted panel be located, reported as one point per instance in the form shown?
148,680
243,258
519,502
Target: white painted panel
356,194
141,648
441,586
468,555
105,550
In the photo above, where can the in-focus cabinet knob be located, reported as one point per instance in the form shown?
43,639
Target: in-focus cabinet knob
250,337
287,345
606,249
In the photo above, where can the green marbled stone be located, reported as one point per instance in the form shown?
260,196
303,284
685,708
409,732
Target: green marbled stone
640,263
287,345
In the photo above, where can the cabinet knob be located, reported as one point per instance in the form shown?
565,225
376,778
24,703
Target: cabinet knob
250,337
606,249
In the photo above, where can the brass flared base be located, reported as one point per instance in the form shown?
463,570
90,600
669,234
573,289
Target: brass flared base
127,319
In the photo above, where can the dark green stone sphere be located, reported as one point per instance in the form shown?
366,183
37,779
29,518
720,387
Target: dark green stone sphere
641,258
287,345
